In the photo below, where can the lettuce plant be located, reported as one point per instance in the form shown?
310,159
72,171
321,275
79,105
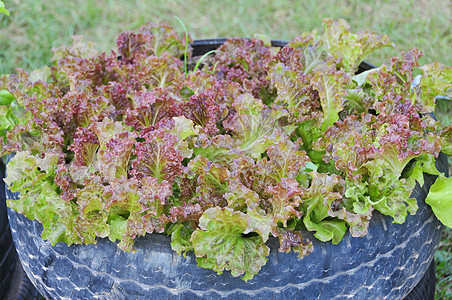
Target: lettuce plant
3,10
261,142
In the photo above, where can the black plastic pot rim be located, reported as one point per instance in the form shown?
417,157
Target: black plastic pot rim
203,46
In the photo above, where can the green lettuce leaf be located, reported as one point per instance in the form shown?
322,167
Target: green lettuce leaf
316,200
446,138
79,49
217,149
309,132
436,81
3,10
285,161
33,177
254,127
331,87
440,199
212,180
180,238
356,208
305,52
423,164
27,124
11,115
350,48
93,217
184,127
6,97
220,244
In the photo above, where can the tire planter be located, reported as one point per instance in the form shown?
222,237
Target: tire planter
387,263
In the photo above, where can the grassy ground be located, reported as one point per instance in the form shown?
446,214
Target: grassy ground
34,27
443,260
27,36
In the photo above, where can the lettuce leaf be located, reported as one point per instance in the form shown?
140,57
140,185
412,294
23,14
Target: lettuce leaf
203,111
149,108
254,127
436,81
180,238
114,160
153,71
157,157
220,244
3,10
439,198
351,48
285,161
295,91
244,61
291,240
78,49
316,200
135,208
93,217
38,200
330,85
446,138
212,181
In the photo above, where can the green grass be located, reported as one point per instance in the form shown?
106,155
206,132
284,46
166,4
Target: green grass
34,27
443,260
443,255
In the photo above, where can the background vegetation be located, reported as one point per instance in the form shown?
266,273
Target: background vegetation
35,26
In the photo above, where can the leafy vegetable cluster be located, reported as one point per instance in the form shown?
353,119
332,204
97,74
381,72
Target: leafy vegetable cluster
3,10
261,142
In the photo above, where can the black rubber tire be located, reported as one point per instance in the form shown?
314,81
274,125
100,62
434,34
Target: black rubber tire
8,260
20,287
388,263
425,289
7,251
